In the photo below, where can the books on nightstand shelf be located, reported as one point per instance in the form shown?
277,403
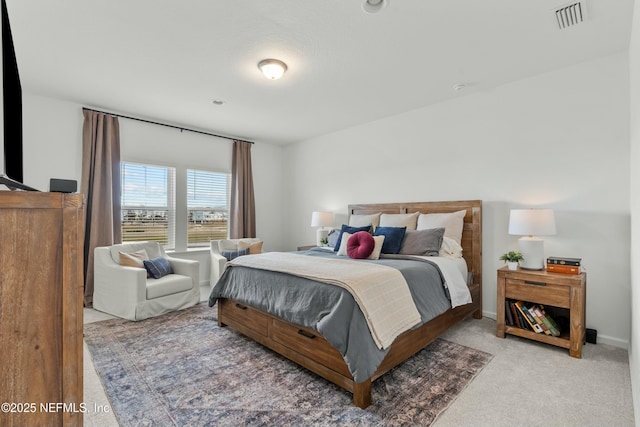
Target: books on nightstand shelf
531,317
564,265
528,317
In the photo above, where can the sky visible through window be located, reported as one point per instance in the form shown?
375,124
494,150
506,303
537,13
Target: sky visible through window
146,186
206,189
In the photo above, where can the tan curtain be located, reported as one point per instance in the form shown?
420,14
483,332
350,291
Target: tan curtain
101,188
243,212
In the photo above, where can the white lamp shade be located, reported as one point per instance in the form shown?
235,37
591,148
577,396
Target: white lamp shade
532,222
321,219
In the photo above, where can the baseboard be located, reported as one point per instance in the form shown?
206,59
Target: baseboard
635,386
616,342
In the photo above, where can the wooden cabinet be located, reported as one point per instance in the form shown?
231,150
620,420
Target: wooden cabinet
41,288
560,293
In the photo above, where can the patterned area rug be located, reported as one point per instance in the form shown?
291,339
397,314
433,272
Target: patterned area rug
182,369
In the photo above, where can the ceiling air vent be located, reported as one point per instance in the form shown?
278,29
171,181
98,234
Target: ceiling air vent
571,14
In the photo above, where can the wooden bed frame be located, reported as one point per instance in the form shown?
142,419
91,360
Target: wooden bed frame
309,349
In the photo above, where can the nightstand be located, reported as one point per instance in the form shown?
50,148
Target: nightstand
561,294
306,248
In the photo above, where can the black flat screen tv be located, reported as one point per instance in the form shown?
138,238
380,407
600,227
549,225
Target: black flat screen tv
11,116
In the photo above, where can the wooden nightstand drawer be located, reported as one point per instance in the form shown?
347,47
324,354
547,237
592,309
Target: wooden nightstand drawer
538,291
308,342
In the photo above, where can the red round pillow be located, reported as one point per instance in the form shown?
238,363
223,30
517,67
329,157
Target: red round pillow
360,245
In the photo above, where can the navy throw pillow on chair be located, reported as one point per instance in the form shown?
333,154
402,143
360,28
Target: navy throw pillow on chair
158,267
229,255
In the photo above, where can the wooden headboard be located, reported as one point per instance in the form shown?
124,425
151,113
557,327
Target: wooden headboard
471,232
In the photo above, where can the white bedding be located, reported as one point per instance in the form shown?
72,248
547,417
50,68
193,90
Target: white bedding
454,271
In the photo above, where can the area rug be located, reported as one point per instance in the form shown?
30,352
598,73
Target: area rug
181,369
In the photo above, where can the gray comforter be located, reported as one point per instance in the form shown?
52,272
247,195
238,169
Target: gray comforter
329,309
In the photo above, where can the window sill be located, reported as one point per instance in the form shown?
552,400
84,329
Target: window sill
201,249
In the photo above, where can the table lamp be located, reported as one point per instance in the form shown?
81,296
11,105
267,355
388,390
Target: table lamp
322,220
530,223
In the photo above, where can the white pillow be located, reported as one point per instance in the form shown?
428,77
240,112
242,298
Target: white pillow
363,220
134,259
377,248
400,220
342,251
452,223
450,248
375,254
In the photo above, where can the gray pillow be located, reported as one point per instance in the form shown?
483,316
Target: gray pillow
422,242
332,238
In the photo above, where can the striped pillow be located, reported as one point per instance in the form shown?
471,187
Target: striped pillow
158,267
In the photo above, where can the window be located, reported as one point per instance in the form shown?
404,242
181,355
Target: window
148,203
176,207
207,206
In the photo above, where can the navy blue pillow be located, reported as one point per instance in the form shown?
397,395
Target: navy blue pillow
392,238
157,267
350,230
229,255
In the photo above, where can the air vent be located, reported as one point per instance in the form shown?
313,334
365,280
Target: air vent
571,14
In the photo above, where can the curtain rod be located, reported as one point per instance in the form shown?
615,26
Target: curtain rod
167,125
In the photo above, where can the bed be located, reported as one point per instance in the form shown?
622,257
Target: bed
267,321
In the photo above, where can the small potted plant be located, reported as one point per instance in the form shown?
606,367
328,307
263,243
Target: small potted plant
512,259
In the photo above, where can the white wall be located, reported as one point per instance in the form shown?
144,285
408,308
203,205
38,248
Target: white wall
53,149
558,140
52,140
634,73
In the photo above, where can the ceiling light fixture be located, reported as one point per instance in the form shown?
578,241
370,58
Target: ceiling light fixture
373,6
272,69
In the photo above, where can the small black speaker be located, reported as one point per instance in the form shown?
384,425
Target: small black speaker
63,185
592,336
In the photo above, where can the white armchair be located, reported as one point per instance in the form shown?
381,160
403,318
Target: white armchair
219,261
127,292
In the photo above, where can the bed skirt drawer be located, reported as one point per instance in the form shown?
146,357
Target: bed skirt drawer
540,292
309,343
238,314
